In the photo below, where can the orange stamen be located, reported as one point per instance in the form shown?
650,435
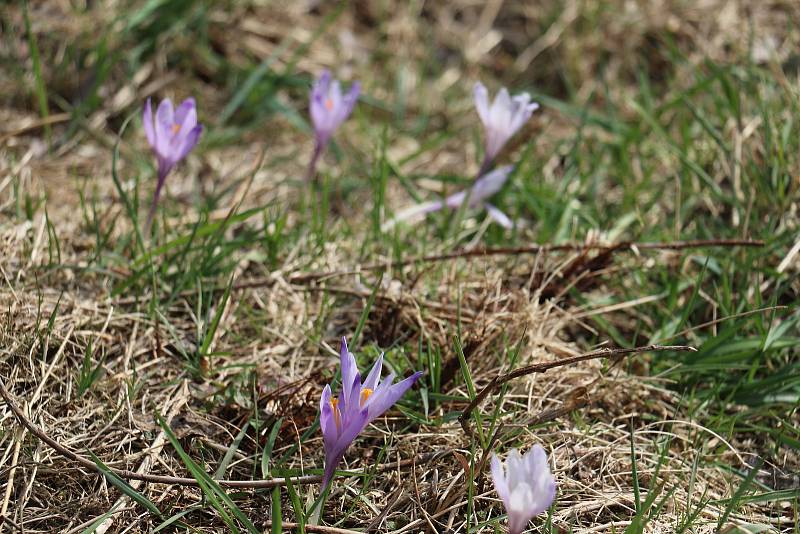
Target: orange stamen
365,393
337,416
176,128
328,104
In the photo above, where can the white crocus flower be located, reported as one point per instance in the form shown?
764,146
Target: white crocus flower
526,486
501,119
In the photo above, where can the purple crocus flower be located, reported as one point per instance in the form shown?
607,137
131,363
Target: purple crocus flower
329,108
502,119
525,486
172,135
483,188
358,405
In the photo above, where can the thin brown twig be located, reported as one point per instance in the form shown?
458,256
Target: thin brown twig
624,246
537,248
541,367
182,481
508,251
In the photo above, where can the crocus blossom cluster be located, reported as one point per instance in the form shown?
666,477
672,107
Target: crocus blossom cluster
172,135
501,119
525,485
475,197
329,108
342,419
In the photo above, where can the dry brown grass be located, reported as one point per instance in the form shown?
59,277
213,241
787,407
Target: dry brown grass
497,300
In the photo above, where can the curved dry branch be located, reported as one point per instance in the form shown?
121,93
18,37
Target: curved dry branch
541,367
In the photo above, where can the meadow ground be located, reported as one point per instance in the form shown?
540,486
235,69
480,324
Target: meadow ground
655,195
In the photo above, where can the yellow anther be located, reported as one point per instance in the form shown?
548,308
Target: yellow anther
176,128
328,104
365,393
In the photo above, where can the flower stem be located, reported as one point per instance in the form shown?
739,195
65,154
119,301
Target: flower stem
485,166
311,173
154,204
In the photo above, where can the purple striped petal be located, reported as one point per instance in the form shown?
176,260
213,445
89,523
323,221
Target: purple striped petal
381,401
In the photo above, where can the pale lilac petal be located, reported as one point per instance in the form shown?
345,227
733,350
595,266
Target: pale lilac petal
147,122
500,111
382,401
499,217
163,126
481,96
489,184
348,102
348,367
317,101
483,188
371,382
522,112
327,419
495,140
353,428
515,469
455,200
351,397
335,96
183,111
189,142
183,129
499,479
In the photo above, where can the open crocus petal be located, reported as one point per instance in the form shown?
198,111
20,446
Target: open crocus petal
343,418
147,122
189,142
387,394
525,485
502,118
371,382
481,101
349,369
183,110
489,184
499,217
349,101
164,121
498,476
